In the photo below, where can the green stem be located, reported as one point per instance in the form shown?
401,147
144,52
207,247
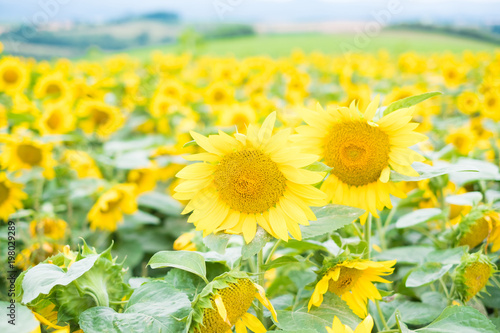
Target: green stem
368,233
381,233
381,315
389,218
275,247
260,281
445,289
357,231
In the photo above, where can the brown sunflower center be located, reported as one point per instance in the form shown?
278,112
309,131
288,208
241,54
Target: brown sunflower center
491,102
478,231
10,76
4,193
100,117
112,204
29,154
347,279
53,90
476,276
219,96
249,181
54,120
237,299
357,152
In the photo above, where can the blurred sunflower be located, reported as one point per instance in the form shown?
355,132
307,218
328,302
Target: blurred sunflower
219,93
57,118
228,304
14,75
184,242
250,180
491,105
144,179
365,326
53,86
108,211
24,153
82,164
50,227
11,196
361,152
99,117
239,115
468,102
352,281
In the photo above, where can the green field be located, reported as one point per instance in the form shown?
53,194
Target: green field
395,42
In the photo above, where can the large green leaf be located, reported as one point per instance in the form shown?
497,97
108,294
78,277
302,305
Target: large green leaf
259,241
413,313
329,219
189,261
463,319
217,242
318,318
22,319
43,277
486,171
410,101
427,171
417,217
427,273
406,254
153,307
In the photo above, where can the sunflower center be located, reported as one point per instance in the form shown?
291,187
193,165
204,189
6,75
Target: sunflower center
476,234
237,299
357,152
249,181
10,76
219,96
347,279
491,102
476,276
53,89
4,193
29,154
54,121
100,117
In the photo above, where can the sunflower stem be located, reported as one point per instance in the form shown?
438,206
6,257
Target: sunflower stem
381,233
445,288
275,247
260,282
368,233
381,315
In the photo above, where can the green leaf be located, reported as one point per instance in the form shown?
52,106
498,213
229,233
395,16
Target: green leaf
486,171
463,319
188,283
153,307
283,261
189,261
412,313
401,325
405,254
492,196
133,160
318,166
426,171
217,242
426,274
258,242
496,322
465,199
492,297
319,317
141,217
448,256
410,101
43,277
416,217
24,320
329,219
160,202
434,298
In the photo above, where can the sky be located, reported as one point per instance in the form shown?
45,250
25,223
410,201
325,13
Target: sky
433,11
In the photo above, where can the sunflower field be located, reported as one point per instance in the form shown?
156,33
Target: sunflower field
209,194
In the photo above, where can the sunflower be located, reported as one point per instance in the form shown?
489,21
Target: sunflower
472,275
491,105
463,140
53,87
365,326
361,152
11,196
219,93
352,281
162,106
468,102
239,115
24,153
82,163
14,75
4,121
57,118
50,227
250,180
144,179
227,306
99,117
493,219
108,211
185,242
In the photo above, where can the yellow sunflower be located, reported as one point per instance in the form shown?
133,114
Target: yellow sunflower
361,152
250,180
472,275
239,115
108,211
468,102
50,227
219,93
185,242
229,306
24,153
53,86
491,105
4,121
11,196
352,281
82,163
57,118
14,75
99,117
365,326
145,179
